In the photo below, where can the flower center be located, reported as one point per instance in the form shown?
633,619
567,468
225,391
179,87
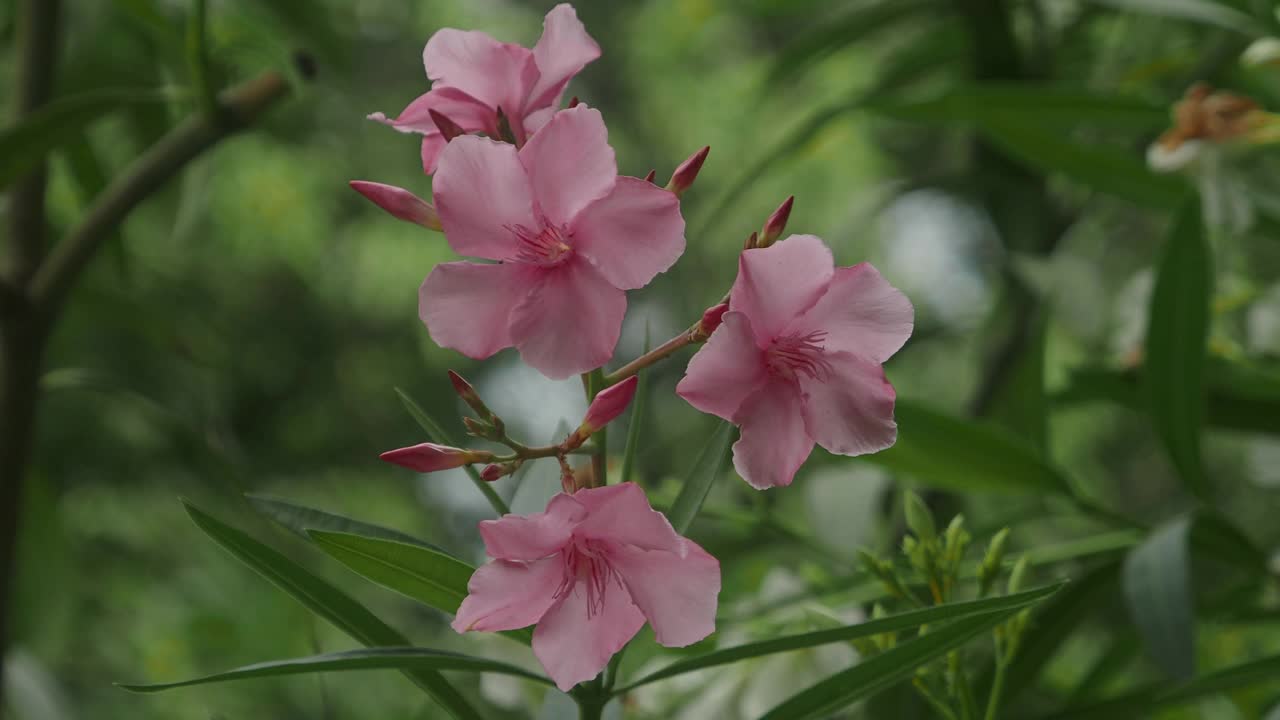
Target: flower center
584,562
794,355
546,246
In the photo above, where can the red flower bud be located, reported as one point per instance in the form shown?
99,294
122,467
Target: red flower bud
684,175
652,174
448,128
711,320
609,404
752,240
400,203
469,395
776,223
430,457
573,102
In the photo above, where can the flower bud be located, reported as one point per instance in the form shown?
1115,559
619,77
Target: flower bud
493,471
573,102
478,428
430,457
650,176
684,175
711,320
753,241
991,562
1018,575
920,518
448,128
1263,51
400,203
776,223
607,405
469,395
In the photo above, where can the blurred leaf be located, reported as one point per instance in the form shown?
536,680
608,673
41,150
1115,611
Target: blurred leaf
945,451
1157,588
882,671
431,577
25,145
1020,405
902,621
1213,534
1142,703
1201,11
1058,108
709,465
636,420
830,35
90,177
328,602
395,658
298,519
1175,350
437,434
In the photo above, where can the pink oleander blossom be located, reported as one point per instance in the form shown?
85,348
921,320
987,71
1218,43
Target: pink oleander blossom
474,75
797,359
569,235
589,572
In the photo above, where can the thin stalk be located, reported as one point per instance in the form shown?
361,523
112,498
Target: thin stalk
997,685
599,461
649,358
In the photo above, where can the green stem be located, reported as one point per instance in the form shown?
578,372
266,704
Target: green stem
997,686
649,358
599,461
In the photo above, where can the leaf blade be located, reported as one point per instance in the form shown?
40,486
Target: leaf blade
1157,591
431,577
709,465
298,519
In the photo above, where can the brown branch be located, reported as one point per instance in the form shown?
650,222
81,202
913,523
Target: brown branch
238,107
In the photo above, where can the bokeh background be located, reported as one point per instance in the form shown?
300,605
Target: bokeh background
246,329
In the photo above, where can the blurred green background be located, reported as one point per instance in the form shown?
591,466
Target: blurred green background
245,330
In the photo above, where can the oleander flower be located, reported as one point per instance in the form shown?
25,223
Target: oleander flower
569,235
589,572
474,75
797,359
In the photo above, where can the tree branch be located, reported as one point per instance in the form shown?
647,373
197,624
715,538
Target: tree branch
238,107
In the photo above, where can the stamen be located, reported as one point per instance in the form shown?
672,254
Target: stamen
543,246
796,355
586,564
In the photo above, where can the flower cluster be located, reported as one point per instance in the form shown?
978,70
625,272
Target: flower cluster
791,355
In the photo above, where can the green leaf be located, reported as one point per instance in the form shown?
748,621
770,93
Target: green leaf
431,577
1058,108
25,145
1201,11
437,434
882,671
392,658
637,419
328,602
903,621
1157,590
945,451
1177,332
832,34
1141,703
710,465
298,519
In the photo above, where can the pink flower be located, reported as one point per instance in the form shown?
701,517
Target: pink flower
589,571
569,234
797,359
474,75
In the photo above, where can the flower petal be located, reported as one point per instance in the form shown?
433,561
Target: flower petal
631,234
562,51
467,306
774,443
534,536
504,595
570,322
677,594
570,163
574,645
469,113
851,411
726,371
777,283
621,514
495,73
861,314
481,191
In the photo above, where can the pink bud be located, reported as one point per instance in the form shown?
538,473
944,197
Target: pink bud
469,394
752,240
776,223
609,404
652,174
684,175
492,472
400,203
711,319
429,457
448,128
573,102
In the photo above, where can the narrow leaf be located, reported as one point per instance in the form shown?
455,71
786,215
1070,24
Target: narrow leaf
945,451
885,670
328,602
1061,108
1174,374
903,621
1157,589
1205,12
436,433
637,419
298,519
832,34
429,576
710,465
394,658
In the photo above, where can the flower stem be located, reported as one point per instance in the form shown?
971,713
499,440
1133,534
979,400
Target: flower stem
651,357
997,685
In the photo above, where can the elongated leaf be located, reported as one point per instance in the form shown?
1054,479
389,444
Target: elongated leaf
833,34
1207,12
328,602
26,144
945,451
1060,108
1177,333
882,671
1141,703
298,519
636,422
1157,589
903,621
431,577
436,433
393,658
710,465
